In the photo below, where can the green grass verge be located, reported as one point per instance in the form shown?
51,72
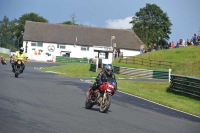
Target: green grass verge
4,55
76,70
157,92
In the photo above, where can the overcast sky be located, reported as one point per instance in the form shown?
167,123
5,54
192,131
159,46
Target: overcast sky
184,14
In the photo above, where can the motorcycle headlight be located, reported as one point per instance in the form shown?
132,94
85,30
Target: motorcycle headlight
19,62
113,83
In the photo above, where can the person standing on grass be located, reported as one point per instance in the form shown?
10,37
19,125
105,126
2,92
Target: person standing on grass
194,40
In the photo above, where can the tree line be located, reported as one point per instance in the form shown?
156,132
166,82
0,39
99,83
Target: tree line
11,31
150,24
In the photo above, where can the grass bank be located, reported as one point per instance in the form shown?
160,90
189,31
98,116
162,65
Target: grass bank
187,60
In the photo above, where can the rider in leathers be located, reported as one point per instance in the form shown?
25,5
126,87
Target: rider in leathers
102,78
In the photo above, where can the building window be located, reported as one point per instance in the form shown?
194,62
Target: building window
85,48
62,46
37,44
40,44
34,44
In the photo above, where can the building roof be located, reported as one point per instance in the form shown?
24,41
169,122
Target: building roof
80,35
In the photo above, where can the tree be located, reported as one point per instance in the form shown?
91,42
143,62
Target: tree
68,23
73,16
152,25
21,23
7,33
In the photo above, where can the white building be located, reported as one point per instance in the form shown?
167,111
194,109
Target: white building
44,41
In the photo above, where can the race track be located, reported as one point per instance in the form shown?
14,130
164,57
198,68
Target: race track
39,102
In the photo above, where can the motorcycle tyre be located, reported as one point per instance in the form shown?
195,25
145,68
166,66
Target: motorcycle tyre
88,104
16,75
105,109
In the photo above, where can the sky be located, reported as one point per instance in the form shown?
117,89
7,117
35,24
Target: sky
183,14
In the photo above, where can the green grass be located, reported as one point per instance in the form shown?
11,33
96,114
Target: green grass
4,55
158,93
187,58
76,70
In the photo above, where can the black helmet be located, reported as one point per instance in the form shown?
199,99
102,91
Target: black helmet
108,69
21,50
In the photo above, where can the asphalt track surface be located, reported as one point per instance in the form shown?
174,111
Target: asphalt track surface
39,102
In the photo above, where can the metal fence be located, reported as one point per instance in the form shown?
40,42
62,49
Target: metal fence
185,85
142,73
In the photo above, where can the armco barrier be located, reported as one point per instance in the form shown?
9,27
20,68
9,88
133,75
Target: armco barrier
143,73
186,85
71,60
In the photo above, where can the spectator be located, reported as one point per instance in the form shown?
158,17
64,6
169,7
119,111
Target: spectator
181,43
154,47
169,45
177,44
172,45
145,50
198,39
189,43
141,49
122,55
118,52
194,40
115,53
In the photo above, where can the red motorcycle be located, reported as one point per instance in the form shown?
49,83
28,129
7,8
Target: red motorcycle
3,61
101,96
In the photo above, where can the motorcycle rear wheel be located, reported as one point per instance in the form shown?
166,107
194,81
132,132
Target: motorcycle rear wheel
104,107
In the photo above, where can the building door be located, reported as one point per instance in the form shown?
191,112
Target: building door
67,54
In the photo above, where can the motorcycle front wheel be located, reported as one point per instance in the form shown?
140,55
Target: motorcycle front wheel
105,106
88,104
16,75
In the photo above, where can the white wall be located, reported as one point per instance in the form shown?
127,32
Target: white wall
5,50
129,52
74,49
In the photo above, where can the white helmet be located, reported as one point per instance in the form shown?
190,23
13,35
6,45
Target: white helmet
21,50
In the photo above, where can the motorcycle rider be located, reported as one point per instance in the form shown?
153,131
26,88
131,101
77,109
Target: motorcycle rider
11,58
21,56
3,60
102,78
